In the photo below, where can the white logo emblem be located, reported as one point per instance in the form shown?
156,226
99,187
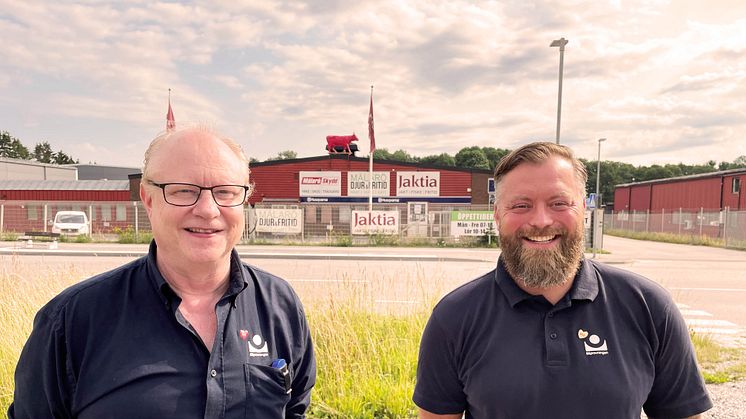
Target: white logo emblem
592,343
258,346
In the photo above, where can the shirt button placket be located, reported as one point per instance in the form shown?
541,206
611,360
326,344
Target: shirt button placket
556,349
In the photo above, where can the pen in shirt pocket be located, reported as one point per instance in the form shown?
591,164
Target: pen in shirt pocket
282,366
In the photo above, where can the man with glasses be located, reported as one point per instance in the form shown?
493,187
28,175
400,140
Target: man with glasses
188,331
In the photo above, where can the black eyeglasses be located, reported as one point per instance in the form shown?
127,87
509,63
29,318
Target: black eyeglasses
187,194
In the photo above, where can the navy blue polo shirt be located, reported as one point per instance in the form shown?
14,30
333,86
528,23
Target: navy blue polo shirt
115,346
614,343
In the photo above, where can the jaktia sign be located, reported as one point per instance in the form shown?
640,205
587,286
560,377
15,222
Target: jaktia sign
374,222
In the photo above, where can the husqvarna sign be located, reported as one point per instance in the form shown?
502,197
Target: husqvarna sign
417,184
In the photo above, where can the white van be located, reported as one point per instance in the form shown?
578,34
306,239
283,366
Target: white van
70,223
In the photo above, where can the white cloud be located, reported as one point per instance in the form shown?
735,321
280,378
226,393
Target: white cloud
662,80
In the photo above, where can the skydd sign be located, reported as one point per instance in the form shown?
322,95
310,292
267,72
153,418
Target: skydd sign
417,184
374,222
320,183
358,183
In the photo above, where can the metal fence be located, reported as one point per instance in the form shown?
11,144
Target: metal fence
275,222
728,227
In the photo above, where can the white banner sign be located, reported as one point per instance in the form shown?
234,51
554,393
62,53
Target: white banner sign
320,183
374,222
417,184
279,220
472,223
358,185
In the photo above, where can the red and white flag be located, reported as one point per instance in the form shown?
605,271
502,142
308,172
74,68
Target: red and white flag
371,133
170,121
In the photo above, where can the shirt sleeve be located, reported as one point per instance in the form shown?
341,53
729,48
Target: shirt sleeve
439,389
678,388
304,374
42,386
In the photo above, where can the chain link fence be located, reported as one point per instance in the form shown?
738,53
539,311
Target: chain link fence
324,223
726,228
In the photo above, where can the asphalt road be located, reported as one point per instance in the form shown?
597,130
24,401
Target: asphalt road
709,284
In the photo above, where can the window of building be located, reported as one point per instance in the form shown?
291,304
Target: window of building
32,212
106,212
121,212
326,215
736,184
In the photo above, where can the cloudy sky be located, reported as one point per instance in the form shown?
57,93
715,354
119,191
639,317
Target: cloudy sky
663,81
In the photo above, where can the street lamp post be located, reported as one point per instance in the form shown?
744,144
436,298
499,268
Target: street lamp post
598,189
561,44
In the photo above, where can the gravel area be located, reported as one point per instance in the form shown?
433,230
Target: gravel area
729,400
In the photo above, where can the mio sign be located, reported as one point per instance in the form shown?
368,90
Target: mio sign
417,184
358,184
374,222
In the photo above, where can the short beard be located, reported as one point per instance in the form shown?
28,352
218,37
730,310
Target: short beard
543,268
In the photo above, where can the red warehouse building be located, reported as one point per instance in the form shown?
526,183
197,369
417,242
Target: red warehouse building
339,178
714,191
30,205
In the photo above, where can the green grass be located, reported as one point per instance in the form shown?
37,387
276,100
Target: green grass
367,363
378,351
718,364
691,239
366,359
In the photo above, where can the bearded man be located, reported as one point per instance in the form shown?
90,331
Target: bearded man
549,333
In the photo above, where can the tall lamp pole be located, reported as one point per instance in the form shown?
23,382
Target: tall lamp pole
561,44
598,188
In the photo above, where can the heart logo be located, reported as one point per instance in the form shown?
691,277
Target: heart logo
582,334
244,334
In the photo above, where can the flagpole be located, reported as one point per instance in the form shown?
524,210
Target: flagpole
371,137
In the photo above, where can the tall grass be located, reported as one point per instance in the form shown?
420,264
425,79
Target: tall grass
367,362
366,355
22,293
366,358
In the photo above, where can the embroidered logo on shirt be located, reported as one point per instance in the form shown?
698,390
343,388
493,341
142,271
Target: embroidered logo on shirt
244,334
592,343
258,346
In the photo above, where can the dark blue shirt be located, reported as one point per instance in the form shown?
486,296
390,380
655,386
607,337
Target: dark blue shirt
115,346
615,343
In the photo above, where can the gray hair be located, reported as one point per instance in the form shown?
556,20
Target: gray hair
162,137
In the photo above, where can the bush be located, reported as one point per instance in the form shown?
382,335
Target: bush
128,236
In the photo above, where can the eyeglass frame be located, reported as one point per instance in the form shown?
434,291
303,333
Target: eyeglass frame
162,186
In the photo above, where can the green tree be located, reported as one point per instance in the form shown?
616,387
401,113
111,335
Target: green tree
494,155
402,155
442,159
43,152
12,147
472,157
61,158
285,155
398,155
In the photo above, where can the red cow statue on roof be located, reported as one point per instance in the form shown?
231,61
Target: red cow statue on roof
340,143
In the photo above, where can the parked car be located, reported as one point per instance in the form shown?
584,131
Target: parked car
70,223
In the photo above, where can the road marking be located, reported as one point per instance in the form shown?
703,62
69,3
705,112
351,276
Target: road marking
725,332
708,289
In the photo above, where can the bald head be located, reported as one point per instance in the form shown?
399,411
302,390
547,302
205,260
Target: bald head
203,138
